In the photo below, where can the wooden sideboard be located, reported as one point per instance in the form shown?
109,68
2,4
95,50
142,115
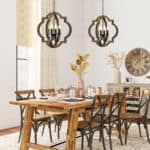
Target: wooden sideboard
130,88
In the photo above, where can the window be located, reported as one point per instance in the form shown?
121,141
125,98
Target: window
28,66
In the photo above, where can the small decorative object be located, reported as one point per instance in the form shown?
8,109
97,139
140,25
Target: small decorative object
50,31
128,79
148,77
103,30
91,91
98,90
79,67
137,62
72,92
136,91
116,60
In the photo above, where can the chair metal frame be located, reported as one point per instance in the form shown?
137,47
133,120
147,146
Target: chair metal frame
113,117
26,95
58,118
138,118
97,110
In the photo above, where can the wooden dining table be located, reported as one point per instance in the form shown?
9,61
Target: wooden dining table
72,108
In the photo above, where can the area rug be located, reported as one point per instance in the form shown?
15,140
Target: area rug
9,142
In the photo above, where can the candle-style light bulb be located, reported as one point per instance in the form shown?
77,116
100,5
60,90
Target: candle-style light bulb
54,31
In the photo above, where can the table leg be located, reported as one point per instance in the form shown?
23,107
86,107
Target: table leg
71,131
25,139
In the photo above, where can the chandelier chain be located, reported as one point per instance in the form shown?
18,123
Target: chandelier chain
54,5
102,7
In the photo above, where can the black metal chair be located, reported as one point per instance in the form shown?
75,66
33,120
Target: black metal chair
112,118
38,118
87,128
140,117
57,116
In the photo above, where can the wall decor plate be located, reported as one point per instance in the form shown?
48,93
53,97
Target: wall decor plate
137,62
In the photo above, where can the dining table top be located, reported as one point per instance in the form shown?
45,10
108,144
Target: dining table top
61,104
58,104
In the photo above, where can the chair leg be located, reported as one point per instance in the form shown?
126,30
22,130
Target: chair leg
119,132
59,121
55,124
43,129
21,124
103,139
126,131
90,142
82,141
139,129
50,130
100,134
35,128
110,141
147,132
58,133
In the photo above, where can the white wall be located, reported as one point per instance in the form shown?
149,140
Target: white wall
132,18
8,113
73,9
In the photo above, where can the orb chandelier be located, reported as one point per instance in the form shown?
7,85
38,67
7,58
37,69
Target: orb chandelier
50,29
103,30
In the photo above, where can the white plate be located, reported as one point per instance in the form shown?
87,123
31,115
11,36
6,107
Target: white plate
55,98
76,98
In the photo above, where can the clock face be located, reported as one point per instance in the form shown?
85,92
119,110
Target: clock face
137,62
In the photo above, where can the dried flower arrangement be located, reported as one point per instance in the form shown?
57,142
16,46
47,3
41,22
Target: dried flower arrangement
81,64
116,59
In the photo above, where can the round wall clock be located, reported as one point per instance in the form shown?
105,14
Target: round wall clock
137,62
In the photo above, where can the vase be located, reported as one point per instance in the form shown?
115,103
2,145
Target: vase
80,88
117,76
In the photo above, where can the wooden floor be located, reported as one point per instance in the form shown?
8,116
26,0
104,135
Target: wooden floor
9,131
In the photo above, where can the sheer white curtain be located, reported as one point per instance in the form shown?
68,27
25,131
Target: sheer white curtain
41,59
27,40
48,67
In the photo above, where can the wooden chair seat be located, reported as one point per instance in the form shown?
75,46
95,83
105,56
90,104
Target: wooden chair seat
131,116
106,120
112,119
41,117
148,121
84,124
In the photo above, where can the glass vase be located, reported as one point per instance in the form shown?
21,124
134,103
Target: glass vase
80,88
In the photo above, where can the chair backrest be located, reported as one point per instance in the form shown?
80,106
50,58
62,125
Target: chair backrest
63,91
145,104
47,92
116,105
98,107
25,94
132,104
